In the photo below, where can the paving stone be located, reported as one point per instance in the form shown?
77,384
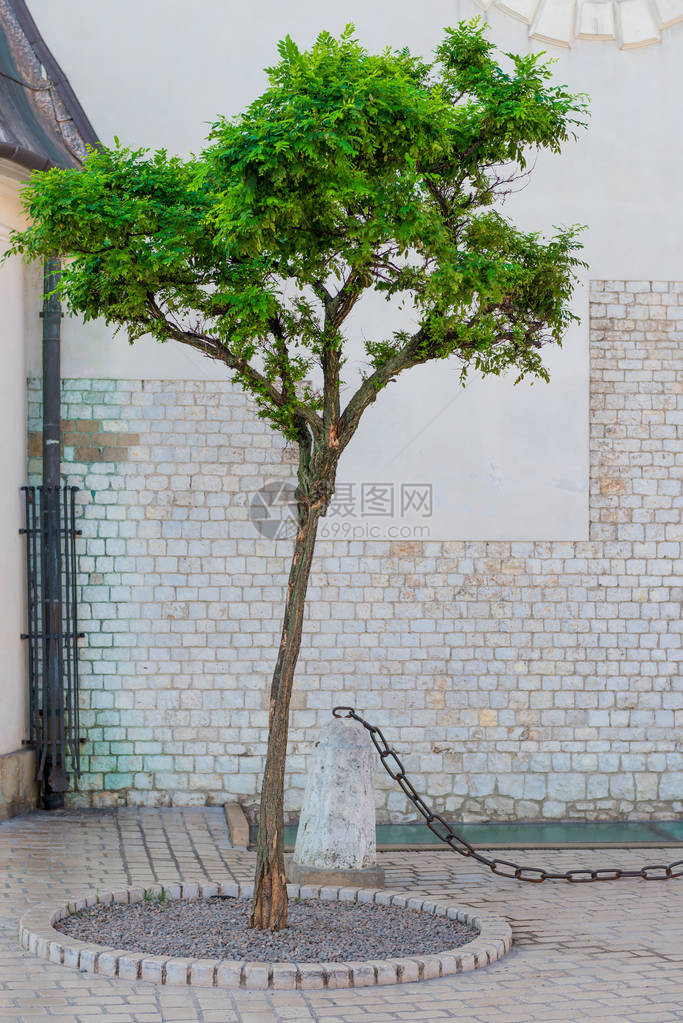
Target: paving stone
363,974
312,976
607,953
130,965
337,975
152,967
177,971
284,977
203,972
228,974
255,975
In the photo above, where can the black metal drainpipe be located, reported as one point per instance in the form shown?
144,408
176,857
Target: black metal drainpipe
55,779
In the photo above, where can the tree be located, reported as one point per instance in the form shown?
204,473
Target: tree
353,172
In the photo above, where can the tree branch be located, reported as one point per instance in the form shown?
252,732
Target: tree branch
215,349
337,308
323,294
367,393
410,355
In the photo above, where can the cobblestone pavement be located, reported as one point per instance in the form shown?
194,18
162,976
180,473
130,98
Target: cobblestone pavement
605,953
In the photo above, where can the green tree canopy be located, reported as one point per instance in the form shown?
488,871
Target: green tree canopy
353,171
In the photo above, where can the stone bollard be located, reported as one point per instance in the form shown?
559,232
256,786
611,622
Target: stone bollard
335,844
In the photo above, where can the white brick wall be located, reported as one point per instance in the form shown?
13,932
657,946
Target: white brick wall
519,680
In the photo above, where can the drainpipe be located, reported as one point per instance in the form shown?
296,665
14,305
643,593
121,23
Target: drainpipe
55,778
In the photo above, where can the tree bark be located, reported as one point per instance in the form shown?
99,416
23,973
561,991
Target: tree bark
269,911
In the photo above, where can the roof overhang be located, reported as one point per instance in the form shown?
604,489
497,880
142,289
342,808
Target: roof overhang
42,123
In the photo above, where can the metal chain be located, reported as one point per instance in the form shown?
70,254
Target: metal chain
504,868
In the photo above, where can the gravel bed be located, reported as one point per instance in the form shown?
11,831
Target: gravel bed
218,928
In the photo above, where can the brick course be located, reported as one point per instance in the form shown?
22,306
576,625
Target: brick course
520,680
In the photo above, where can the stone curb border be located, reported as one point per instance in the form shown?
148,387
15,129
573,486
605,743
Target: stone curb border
38,936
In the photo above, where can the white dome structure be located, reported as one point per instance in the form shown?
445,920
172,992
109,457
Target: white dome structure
630,23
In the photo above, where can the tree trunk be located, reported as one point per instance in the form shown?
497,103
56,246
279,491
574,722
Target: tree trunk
269,911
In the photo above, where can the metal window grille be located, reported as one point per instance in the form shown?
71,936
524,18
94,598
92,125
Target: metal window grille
52,635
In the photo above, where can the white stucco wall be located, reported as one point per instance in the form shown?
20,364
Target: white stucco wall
507,463
13,719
